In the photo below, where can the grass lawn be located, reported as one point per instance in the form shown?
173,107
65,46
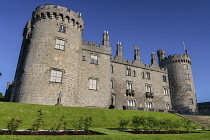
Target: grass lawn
102,119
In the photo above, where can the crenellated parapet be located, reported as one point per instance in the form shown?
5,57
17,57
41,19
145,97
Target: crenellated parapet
177,58
138,64
94,47
59,13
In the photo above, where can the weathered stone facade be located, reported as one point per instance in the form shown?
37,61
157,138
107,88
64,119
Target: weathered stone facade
55,59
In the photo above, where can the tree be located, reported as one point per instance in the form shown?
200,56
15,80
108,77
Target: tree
1,95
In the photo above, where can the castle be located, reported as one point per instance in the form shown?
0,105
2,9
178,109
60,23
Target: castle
57,67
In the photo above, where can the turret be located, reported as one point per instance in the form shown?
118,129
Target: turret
48,57
183,96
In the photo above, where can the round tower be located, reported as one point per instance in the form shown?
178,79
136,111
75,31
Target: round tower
183,96
48,69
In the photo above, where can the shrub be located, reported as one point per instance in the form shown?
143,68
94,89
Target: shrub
137,122
187,124
123,123
87,123
12,125
61,125
84,124
39,122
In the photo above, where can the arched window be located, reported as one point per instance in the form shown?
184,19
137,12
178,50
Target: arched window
112,84
148,88
164,78
147,75
134,73
142,75
129,85
149,104
168,107
128,72
165,91
112,69
131,103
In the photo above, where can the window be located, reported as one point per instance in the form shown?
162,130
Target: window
188,87
56,76
147,75
128,72
112,84
148,88
186,77
83,58
142,75
93,84
190,101
60,44
134,73
164,78
185,67
165,91
129,85
62,28
149,104
131,103
112,68
94,59
168,107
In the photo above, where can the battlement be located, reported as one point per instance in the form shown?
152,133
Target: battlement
176,58
51,11
138,64
94,47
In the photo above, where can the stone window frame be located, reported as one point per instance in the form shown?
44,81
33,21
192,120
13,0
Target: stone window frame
56,77
131,102
129,85
149,104
112,83
185,67
190,101
59,48
128,71
83,58
188,87
165,91
134,73
187,77
112,69
148,75
93,86
61,28
94,58
168,106
164,78
142,75
148,87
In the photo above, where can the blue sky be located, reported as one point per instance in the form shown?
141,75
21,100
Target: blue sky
149,24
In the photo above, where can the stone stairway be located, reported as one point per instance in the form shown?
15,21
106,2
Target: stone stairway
202,120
